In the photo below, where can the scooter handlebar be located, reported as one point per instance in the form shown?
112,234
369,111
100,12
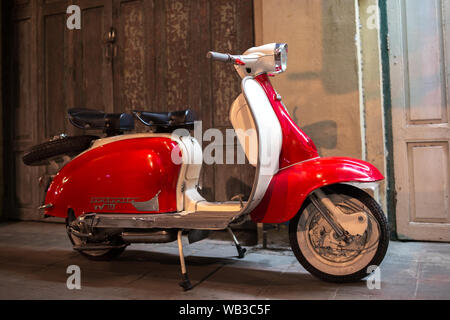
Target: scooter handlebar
225,57
216,56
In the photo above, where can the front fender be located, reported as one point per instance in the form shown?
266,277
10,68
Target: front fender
290,187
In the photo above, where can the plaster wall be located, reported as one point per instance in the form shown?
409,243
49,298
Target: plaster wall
320,87
332,86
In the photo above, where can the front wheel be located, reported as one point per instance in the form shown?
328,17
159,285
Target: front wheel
330,258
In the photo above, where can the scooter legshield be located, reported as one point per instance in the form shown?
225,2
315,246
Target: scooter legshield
134,175
290,187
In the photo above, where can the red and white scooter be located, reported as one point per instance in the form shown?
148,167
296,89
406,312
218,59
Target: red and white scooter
142,188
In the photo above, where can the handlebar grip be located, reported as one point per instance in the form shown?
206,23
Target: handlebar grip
222,57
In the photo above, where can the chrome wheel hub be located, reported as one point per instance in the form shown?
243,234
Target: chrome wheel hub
329,246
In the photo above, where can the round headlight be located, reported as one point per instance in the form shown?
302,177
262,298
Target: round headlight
281,50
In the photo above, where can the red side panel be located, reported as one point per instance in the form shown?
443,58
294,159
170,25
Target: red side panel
115,176
289,187
297,146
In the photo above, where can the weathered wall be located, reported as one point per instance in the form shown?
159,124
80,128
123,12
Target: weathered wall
331,90
320,88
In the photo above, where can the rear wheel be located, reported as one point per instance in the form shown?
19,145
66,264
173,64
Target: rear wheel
330,258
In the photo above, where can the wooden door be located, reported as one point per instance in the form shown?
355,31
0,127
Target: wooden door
21,108
156,61
420,57
160,65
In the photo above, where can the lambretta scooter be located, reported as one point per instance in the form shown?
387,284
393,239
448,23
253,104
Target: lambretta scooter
143,188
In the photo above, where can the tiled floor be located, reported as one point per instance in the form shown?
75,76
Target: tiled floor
34,258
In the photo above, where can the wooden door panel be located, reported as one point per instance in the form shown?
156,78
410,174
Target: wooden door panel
199,70
420,114
24,198
131,64
178,54
22,112
54,82
92,61
23,127
54,76
427,89
429,187
226,84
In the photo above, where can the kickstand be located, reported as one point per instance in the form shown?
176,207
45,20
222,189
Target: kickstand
241,251
185,283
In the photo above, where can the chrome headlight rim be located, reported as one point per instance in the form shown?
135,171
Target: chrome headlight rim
280,54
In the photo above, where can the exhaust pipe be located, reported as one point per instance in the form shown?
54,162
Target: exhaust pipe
159,236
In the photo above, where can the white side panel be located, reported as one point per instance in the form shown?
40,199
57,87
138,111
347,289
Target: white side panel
269,137
242,120
195,155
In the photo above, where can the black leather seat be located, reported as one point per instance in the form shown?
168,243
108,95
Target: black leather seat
111,123
167,121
